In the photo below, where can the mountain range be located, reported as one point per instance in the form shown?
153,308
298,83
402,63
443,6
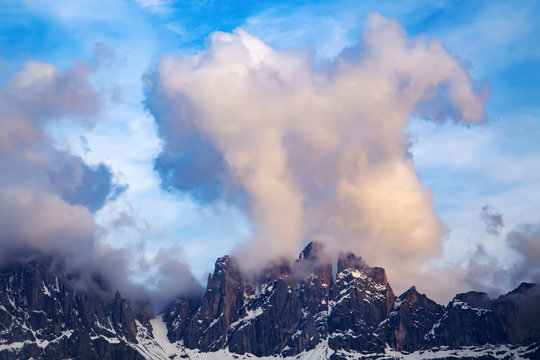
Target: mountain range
305,309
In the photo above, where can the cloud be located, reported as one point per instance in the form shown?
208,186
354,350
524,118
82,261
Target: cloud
48,196
173,276
486,272
36,95
494,221
525,240
319,153
202,181
39,222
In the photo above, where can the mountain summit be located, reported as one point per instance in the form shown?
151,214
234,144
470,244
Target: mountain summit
296,309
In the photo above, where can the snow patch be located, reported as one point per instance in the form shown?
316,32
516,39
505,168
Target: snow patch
46,289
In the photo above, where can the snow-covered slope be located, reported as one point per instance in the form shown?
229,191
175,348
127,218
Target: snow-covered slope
156,346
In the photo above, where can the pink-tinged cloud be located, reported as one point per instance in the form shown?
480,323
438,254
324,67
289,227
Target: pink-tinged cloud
319,152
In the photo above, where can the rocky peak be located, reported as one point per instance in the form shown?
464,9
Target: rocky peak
313,250
379,275
350,261
313,263
410,296
43,314
275,314
411,317
524,288
224,290
360,299
224,268
123,317
474,298
413,298
467,320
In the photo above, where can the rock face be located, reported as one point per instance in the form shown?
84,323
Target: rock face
411,318
43,317
178,316
468,320
288,309
473,319
360,299
292,308
519,311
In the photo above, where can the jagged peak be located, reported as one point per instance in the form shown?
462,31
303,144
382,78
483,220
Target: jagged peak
222,261
225,263
409,293
236,318
226,270
379,275
313,250
313,262
412,292
412,296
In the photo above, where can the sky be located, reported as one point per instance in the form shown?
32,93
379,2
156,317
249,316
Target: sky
146,138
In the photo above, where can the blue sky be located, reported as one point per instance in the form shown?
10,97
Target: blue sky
496,163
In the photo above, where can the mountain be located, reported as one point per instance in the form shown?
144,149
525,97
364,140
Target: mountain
43,316
302,310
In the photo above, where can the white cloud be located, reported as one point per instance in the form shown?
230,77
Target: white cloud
320,153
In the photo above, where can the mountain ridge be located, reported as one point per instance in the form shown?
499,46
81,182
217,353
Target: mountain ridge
291,309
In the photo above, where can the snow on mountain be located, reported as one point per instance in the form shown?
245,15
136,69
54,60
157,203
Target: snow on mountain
291,311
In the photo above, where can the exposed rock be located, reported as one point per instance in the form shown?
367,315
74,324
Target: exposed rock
467,321
475,299
291,308
221,303
288,309
178,316
519,311
360,299
411,318
48,319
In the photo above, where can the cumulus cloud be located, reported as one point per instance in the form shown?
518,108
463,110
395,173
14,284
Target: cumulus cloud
320,154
